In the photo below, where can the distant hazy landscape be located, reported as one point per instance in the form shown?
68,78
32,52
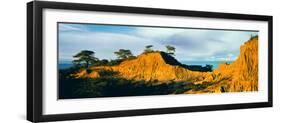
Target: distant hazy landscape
98,60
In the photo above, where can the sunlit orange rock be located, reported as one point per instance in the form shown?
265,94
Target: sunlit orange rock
157,66
152,67
240,76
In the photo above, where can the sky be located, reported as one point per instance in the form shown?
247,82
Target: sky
190,44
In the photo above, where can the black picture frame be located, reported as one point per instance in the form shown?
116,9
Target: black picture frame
35,69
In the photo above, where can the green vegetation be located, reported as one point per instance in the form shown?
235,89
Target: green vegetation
85,58
148,48
170,50
115,62
254,36
207,68
172,61
123,54
108,85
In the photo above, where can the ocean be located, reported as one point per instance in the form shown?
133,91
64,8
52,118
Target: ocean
215,64
65,65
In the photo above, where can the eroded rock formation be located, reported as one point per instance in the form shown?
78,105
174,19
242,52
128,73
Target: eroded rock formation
241,75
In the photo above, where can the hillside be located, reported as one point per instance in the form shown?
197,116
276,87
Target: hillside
154,67
160,67
241,75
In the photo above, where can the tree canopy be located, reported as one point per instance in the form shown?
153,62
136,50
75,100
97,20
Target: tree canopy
170,49
148,48
85,58
123,54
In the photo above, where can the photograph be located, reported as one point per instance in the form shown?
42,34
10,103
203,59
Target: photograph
107,60
89,60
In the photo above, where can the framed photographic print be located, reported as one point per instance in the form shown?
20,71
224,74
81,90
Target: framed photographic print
96,61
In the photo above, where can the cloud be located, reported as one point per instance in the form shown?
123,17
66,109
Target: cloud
157,33
191,44
104,44
198,44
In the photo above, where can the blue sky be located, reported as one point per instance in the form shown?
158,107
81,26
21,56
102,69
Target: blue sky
190,44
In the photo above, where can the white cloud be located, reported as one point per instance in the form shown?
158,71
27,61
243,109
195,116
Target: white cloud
191,44
198,44
104,44
157,33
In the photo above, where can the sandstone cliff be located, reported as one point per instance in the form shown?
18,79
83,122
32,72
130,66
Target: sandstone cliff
159,67
241,75
154,67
